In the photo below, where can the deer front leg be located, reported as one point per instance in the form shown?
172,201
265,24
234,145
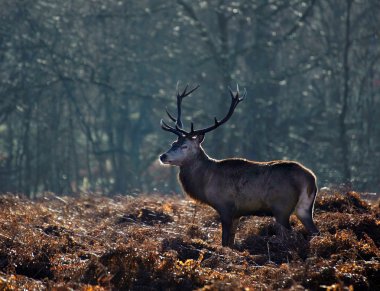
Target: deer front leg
226,212
229,226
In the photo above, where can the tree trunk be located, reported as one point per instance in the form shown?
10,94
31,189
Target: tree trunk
344,141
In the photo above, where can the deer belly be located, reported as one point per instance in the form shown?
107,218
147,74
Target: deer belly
252,207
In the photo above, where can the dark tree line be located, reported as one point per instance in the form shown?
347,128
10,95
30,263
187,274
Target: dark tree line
83,85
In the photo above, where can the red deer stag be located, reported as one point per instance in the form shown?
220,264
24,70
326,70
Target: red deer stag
238,187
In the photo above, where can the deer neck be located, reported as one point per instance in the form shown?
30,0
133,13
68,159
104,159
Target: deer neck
193,176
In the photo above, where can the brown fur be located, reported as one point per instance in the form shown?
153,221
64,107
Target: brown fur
237,187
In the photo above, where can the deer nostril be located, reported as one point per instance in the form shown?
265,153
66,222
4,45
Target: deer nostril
163,157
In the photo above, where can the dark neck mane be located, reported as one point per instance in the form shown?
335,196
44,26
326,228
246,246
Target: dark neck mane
193,176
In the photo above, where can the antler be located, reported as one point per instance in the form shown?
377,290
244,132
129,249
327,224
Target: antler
235,100
178,122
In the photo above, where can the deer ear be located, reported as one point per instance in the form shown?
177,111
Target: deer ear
200,138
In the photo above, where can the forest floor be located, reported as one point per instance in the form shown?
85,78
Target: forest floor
172,243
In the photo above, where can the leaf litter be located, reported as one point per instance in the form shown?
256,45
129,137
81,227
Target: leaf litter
170,243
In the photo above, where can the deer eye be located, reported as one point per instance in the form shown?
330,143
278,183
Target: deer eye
183,147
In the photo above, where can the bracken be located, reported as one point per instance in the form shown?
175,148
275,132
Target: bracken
165,242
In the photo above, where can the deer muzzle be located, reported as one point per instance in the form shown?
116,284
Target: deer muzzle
164,158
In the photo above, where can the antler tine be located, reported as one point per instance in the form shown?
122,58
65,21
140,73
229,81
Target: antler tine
177,129
237,94
235,100
170,116
231,92
244,95
176,87
167,127
183,94
191,91
179,102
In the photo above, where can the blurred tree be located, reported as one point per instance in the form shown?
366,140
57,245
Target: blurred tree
83,86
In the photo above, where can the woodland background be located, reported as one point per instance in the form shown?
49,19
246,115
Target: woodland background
84,84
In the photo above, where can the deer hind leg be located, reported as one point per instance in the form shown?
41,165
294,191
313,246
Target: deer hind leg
235,223
282,217
304,210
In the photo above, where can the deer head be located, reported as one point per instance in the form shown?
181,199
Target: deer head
188,144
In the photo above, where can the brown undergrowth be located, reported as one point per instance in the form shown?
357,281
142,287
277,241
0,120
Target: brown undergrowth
171,243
